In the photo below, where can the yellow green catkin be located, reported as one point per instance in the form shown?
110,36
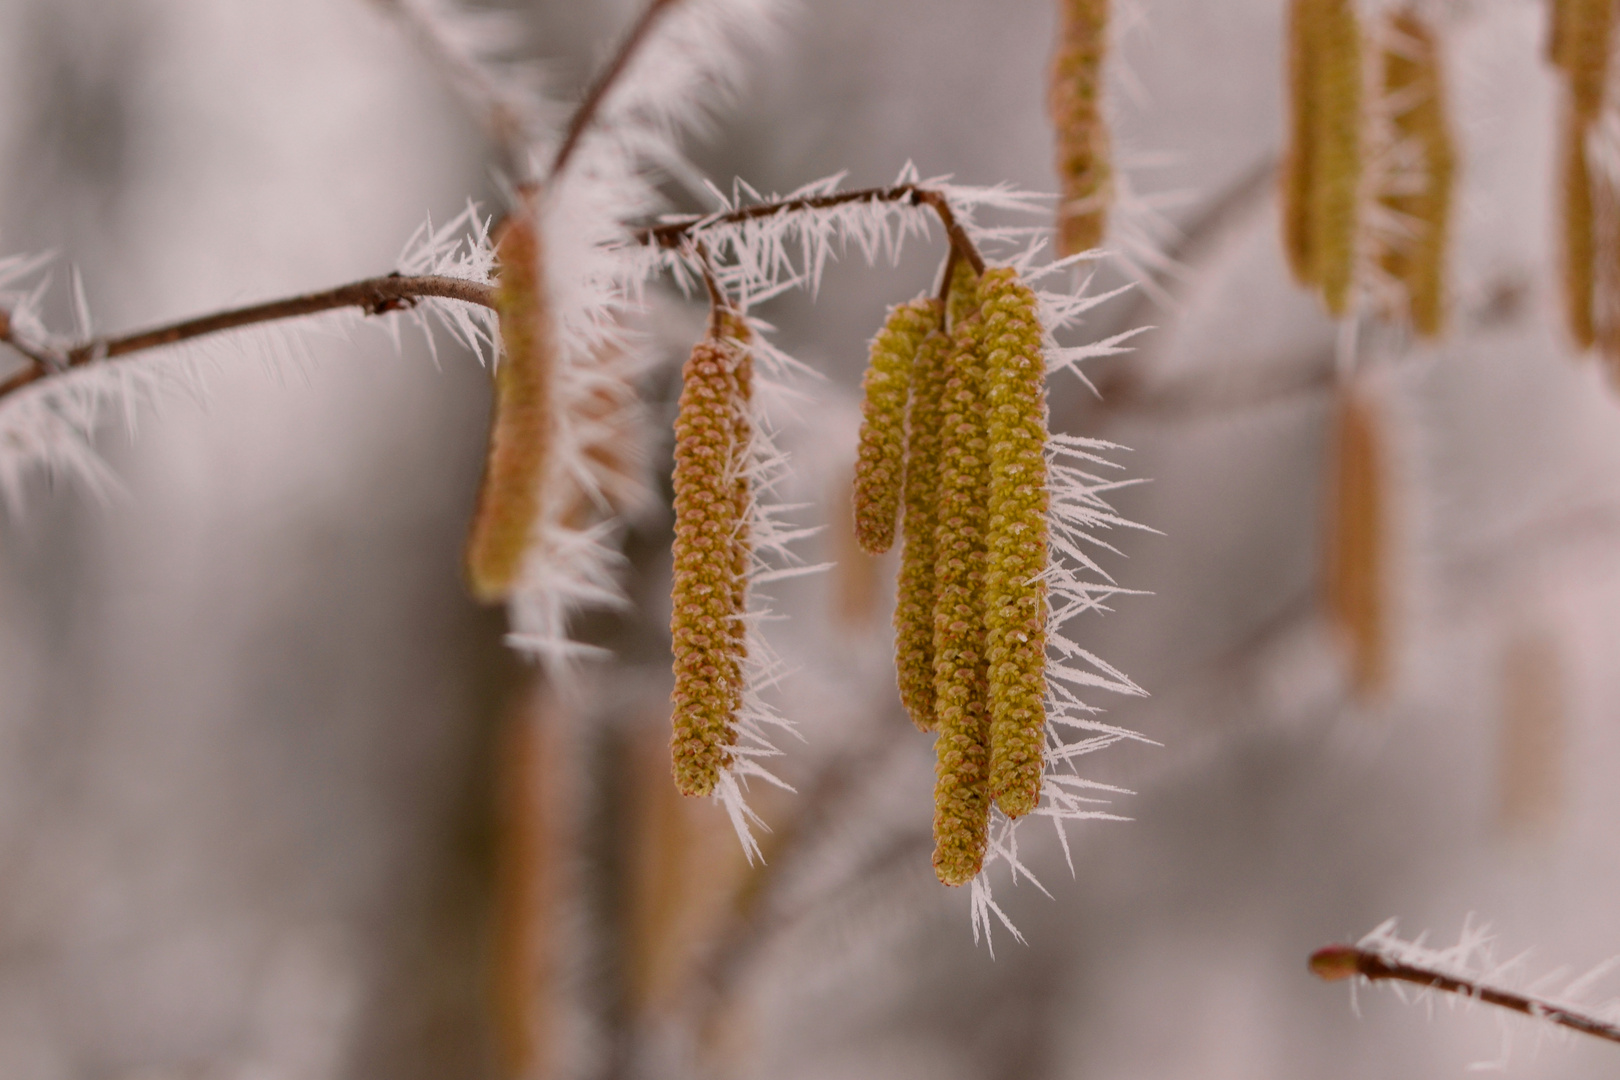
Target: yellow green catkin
962,749
879,463
710,562
1322,171
1014,580
914,603
1074,100
1412,72
520,430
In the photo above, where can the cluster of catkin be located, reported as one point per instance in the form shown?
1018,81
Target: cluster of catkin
953,446
1367,125
709,595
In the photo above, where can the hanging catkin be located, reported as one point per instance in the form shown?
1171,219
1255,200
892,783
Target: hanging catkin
1085,178
710,561
880,460
914,603
961,789
521,427
1356,551
1580,48
1530,754
1014,581
1412,74
1322,171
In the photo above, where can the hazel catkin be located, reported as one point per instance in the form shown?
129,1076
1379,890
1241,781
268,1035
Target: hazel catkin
879,463
521,428
1322,171
1074,101
1412,72
961,790
710,563
1014,579
915,593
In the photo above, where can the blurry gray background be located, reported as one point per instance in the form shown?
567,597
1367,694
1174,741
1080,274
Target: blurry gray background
247,746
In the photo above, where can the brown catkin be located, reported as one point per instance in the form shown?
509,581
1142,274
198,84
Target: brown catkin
710,562
915,593
1580,240
1531,749
1014,580
521,426
1356,589
879,463
1323,168
1074,100
1412,71
962,749
1580,48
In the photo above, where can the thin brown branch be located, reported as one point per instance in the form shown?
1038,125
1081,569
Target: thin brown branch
42,358
375,296
672,233
598,92
1347,961
719,303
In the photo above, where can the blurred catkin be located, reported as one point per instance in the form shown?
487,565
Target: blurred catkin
521,428
1014,580
1580,239
1322,171
1357,564
1580,48
1532,744
710,561
961,789
915,594
1074,100
1412,73
879,463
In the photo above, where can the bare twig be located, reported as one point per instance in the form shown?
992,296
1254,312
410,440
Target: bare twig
1347,961
594,96
375,296
671,233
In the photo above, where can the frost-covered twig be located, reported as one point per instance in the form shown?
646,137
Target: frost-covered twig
671,233
375,296
1380,956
